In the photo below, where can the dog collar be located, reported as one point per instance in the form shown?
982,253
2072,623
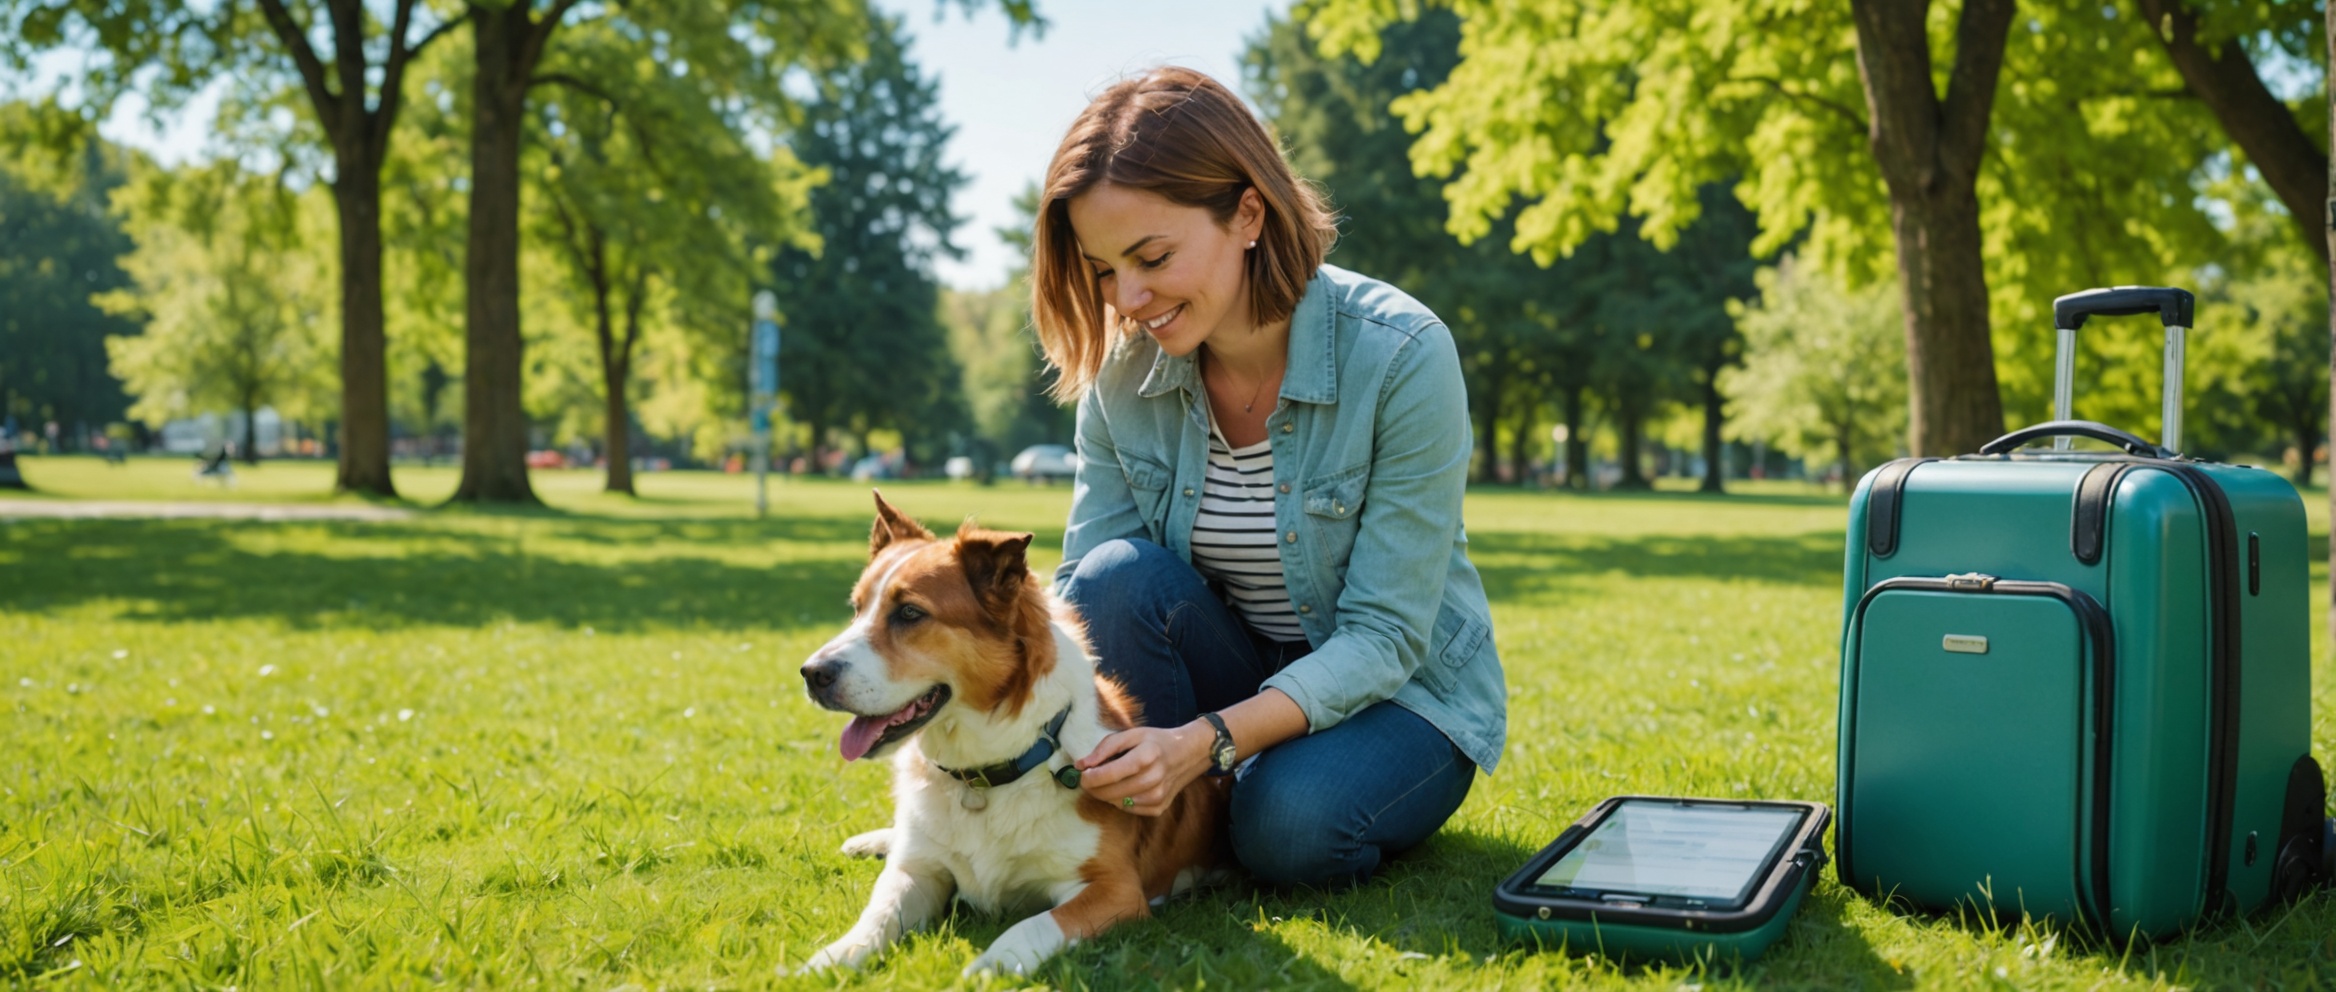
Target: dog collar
1005,772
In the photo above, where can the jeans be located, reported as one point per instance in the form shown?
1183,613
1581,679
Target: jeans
1323,810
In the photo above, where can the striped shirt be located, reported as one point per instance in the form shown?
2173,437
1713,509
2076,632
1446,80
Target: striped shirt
1234,541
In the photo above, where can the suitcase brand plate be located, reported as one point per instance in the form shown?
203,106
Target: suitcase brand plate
1964,643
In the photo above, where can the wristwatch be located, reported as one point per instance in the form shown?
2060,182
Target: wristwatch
1222,754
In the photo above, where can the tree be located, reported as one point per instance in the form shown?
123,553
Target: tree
2210,45
1618,319
233,298
752,43
864,347
1822,368
1512,322
349,66
1586,111
2258,365
653,199
58,245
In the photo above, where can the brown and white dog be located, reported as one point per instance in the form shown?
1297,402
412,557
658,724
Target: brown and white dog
957,659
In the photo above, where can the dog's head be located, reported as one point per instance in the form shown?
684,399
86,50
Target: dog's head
937,624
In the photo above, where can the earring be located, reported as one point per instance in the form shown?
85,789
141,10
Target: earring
1253,242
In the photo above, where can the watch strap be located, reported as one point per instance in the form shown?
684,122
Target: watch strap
1222,745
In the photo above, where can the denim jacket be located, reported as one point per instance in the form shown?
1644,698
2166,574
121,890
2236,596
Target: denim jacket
1370,458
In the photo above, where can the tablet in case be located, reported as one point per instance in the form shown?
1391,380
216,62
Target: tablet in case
1654,877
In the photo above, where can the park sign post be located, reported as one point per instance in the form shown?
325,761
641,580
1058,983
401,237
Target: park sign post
763,376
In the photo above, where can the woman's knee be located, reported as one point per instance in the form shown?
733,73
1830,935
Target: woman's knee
1290,837
1115,568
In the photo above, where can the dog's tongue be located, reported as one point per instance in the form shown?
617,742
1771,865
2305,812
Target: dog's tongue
861,734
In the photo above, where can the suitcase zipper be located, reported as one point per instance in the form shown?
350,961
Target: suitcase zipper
2095,621
2223,678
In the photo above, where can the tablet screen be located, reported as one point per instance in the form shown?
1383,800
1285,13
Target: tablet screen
1707,853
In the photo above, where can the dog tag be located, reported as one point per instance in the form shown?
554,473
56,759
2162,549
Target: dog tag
976,798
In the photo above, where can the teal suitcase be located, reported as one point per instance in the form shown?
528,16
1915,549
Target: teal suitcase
2076,684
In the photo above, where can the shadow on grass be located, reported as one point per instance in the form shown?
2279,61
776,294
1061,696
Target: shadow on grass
1519,565
193,570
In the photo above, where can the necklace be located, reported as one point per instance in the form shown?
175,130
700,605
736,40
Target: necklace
1250,406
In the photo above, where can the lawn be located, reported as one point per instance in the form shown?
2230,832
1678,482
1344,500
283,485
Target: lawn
569,748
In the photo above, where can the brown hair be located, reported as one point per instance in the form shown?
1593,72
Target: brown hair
1184,136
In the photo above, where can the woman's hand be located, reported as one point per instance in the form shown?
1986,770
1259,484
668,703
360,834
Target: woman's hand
1151,764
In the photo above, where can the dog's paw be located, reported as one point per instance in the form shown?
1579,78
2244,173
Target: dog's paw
1021,949
846,953
873,844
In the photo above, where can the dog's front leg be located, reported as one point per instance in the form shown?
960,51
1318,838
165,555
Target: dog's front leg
907,897
1081,911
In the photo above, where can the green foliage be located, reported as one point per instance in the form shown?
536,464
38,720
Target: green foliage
1573,115
1823,377
653,205
2258,365
236,297
1619,323
863,347
58,245
424,217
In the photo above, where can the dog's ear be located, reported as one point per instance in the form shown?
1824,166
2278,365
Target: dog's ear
892,526
996,564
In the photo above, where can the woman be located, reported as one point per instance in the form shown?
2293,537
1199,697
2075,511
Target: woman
1295,436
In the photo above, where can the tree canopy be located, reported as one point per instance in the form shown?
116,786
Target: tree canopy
58,246
1574,114
237,312
863,348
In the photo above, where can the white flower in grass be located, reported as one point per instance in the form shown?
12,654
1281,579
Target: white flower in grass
404,715
267,670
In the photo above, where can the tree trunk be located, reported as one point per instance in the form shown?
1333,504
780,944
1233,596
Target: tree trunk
251,429
1488,430
2328,34
1627,421
1928,151
616,370
2224,79
1715,452
364,456
1577,447
1845,439
619,427
1519,441
494,427
2307,444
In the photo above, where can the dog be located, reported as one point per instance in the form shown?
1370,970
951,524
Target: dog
980,683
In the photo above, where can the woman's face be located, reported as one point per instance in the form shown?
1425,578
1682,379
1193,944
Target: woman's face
1172,268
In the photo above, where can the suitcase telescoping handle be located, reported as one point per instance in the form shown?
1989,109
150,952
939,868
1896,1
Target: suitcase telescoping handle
2173,307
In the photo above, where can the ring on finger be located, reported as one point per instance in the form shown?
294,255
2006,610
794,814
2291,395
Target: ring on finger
1127,802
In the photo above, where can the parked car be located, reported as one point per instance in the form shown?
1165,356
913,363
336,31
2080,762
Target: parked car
1044,462
874,467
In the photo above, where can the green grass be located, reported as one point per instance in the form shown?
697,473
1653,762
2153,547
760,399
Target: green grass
569,748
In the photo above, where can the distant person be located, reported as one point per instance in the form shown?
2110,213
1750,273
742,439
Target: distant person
1265,532
214,464
10,476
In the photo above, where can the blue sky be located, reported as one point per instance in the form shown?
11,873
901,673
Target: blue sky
1010,102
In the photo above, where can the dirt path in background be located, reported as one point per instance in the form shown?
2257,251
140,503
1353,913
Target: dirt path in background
18,509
